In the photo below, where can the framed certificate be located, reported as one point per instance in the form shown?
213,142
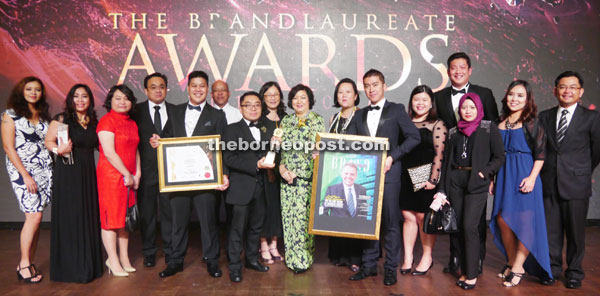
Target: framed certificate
189,163
347,191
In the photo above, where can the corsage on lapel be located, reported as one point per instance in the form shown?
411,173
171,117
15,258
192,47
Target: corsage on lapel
263,129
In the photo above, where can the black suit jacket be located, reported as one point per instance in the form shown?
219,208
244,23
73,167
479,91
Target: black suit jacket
242,164
443,101
571,164
395,125
338,190
210,122
145,130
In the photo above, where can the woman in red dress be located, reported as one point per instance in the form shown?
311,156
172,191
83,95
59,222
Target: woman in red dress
118,174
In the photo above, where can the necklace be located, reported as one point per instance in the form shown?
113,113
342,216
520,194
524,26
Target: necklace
510,125
345,126
83,120
463,155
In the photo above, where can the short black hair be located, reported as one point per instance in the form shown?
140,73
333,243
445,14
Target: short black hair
125,90
569,74
459,55
249,93
196,74
155,74
373,72
280,107
337,87
432,116
296,89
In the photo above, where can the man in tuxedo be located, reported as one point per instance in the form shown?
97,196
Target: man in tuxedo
246,196
150,117
390,120
446,100
347,192
220,96
572,154
194,118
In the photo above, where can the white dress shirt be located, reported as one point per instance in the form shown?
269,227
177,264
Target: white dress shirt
191,118
163,112
232,114
254,130
569,115
373,117
456,99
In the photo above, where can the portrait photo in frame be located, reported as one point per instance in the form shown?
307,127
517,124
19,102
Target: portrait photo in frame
347,185
189,163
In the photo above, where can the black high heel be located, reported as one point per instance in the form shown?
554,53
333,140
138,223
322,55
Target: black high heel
405,271
466,286
32,274
502,274
416,272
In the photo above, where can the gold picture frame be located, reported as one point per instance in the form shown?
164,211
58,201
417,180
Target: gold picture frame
329,211
189,163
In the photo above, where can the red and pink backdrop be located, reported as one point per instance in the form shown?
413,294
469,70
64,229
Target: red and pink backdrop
315,42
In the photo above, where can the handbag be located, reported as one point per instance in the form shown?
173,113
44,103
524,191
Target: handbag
419,175
132,219
442,221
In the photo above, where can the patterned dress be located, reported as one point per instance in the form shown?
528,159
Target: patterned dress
295,198
29,143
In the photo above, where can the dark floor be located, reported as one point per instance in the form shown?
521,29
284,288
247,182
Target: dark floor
321,279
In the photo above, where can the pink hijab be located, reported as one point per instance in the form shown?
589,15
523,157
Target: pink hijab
469,127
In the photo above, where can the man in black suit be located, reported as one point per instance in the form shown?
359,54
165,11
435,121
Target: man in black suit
150,117
194,118
347,193
572,154
390,120
246,196
446,100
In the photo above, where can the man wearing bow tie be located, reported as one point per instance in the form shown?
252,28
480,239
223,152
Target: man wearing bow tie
194,118
246,196
446,100
390,120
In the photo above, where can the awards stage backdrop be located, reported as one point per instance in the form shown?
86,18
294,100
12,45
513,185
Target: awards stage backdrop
315,42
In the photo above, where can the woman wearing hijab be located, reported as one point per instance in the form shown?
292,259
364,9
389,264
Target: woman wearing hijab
474,154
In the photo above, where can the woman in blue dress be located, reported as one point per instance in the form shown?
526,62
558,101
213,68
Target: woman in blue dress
29,165
518,222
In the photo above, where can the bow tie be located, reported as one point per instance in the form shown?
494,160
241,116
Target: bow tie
371,108
253,124
455,92
197,108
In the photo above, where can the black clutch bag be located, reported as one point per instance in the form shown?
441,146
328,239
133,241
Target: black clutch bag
442,221
132,219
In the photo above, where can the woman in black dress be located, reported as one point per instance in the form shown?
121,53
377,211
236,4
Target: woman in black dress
272,113
414,204
75,246
344,251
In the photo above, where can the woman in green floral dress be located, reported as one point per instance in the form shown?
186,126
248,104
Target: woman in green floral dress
296,169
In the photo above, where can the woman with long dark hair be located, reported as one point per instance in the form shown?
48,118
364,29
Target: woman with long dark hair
518,222
75,246
29,165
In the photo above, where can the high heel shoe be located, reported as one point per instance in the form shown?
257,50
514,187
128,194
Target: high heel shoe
416,272
466,286
502,274
508,281
32,275
276,258
264,259
129,269
405,271
119,274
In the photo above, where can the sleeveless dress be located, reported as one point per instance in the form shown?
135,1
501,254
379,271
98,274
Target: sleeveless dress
523,212
29,143
112,193
75,245
272,224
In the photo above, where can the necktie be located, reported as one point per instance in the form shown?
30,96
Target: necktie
371,108
197,108
253,124
157,121
351,206
562,126
454,91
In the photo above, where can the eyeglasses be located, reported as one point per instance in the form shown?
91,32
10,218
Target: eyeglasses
251,106
271,95
572,88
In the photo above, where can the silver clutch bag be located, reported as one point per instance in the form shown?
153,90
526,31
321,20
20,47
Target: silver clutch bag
419,175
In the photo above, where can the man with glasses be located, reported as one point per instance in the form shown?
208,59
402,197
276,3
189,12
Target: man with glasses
246,196
572,153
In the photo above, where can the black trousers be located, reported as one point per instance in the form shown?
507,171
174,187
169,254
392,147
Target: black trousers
205,203
482,236
149,201
469,208
390,229
246,220
566,217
